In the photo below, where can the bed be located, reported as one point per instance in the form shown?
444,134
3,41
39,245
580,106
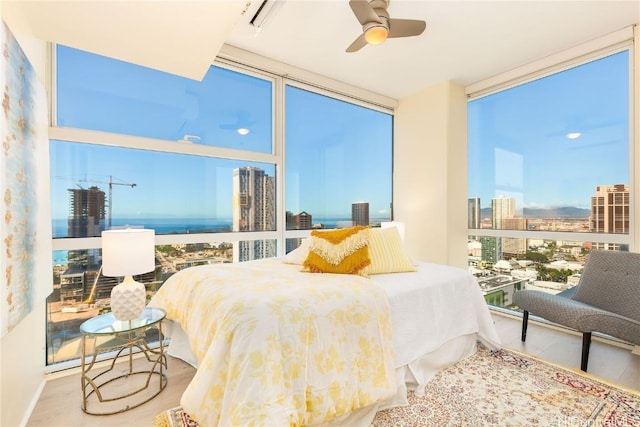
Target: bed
277,345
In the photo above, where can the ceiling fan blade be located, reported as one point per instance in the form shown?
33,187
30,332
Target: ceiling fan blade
364,12
357,44
405,27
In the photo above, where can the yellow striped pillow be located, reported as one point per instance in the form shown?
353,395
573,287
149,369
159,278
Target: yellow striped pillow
387,252
343,251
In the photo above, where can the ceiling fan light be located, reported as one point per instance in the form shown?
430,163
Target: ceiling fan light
376,34
243,131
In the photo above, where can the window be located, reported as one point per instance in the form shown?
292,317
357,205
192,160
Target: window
96,187
338,168
226,109
549,175
198,162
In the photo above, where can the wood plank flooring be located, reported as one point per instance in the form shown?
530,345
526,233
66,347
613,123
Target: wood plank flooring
59,404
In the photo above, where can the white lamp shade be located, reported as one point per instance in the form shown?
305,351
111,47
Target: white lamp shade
128,251
397,224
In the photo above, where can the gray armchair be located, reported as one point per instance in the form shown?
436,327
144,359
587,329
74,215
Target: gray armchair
606,300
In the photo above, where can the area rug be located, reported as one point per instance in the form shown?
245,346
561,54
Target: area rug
500,388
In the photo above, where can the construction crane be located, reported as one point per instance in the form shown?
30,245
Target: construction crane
111,184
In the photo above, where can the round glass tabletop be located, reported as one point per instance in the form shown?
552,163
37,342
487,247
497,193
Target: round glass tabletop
106,324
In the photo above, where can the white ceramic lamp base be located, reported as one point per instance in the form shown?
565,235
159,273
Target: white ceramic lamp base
128,299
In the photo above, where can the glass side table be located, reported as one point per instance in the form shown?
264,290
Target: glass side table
119,387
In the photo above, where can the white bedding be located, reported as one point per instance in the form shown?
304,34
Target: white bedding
437,315
432,306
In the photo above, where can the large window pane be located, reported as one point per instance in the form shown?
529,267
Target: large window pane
338,162
225,109
553,154
338,154
95,187
549,157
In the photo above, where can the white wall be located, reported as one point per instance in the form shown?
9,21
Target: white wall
430,173
22,350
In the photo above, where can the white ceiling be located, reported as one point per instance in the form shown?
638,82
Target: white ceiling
465,41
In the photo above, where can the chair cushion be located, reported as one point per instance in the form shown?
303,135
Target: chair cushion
577,315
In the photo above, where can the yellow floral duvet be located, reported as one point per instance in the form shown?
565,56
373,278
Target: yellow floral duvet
279,347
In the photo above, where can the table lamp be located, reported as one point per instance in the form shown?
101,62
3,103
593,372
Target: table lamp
126,252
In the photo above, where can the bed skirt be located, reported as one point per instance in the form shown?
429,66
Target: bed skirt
413,376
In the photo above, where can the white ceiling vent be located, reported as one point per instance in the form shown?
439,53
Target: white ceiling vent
266,11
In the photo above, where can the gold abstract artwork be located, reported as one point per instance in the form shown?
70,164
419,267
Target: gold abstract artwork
25,226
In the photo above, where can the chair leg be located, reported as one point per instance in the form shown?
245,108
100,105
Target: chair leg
586,343
525,322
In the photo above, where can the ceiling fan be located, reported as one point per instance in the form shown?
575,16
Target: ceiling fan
377,26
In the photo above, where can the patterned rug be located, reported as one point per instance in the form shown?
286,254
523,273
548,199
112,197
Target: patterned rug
501,388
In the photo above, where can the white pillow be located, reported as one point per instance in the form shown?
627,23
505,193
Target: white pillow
298,255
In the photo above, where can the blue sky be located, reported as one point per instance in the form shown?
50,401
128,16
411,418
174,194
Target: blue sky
518,144
337,153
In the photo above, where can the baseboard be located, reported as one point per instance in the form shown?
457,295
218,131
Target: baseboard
33,403
636,350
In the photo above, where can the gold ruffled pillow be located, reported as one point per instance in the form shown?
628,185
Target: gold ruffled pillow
342,251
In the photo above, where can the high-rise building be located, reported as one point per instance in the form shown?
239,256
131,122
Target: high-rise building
86,212
489,250
473,212
360,213
302,221
253,210
87,208
609,212
514,247
502,208
610,209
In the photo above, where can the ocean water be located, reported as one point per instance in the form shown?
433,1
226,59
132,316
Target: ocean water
178,226
189,225
160,225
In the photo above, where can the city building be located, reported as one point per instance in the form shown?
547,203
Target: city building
87,211
514,247
502,208
489,254
360,213
498,290
609,212
473,212
301,221
253,210
83,281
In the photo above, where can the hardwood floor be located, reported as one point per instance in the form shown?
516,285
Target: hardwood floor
59,404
